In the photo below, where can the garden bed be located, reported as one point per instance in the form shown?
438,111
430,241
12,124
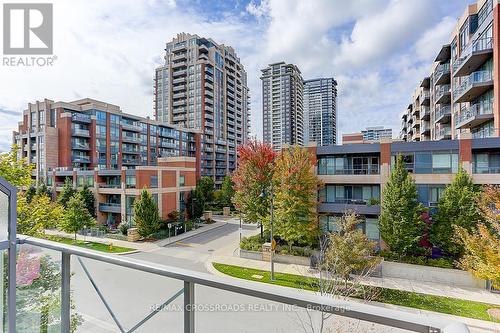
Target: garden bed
89,245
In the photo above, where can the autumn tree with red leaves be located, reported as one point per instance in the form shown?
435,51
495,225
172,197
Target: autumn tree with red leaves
253,175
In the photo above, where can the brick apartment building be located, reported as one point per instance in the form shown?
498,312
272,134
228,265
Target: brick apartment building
114,153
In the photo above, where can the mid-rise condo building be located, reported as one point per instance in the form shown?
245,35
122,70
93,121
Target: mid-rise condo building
203,85
461,94
114,153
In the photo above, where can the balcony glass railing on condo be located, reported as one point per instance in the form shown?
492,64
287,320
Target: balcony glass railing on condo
442,90
442,111
443,132
485,107
441,69
470,80
478,45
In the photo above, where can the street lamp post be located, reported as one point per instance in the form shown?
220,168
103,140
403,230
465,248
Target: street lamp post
193,200
271,197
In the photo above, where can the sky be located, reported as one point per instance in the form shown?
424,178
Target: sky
377,50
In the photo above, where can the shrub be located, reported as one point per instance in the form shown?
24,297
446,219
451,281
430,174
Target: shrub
123,227
417,260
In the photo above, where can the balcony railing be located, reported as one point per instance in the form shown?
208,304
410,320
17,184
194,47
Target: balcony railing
441,74
186,284
481,169
443,133
481,45
442,93
80,132
443,114
475,114
472,86
81,117
362,170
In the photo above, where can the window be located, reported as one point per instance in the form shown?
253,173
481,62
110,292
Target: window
130,181
154,181
371,229
181,180
100,117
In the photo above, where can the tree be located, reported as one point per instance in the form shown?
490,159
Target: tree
76,216
482,245
295,189
42,189
401,225
457,207
344,265
146,215
224,196
253,175
194,204
14,169
68,191
205,188
89,199
36,216
30,193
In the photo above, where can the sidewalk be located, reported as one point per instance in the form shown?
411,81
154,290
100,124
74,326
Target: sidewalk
141,245
472,294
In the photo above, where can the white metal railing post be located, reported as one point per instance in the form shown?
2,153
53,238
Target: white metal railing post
188,307
65,293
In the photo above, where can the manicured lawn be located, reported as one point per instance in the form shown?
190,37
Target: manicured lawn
88,245
448,305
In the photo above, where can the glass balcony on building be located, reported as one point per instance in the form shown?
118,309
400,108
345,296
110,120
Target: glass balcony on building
476,54
472,86
80,158
425,97
443,94
475,115
352,165
443,114
80,132
425,112
109,207
442,74
81,118
131,125
443,133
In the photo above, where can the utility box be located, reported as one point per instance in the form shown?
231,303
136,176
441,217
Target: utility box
133,235
226,211
266,251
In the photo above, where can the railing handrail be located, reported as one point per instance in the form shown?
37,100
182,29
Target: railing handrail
350,309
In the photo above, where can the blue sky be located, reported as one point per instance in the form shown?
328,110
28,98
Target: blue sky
378,50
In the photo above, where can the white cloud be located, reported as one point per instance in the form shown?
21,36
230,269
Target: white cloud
108,50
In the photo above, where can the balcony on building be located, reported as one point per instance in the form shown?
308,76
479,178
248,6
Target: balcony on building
179,102
178,95
443,133
131,160
425,128
425,98
443,114
130,149
475,115
425,112
110,207
83,159
82,132
80,144
131,125
80,118
442,74
443,94
472,86
179,117
178,88
426,83
179,80
474,55
444,54
129,137
415,122
338,198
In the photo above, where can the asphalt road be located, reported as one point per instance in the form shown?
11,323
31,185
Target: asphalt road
132,295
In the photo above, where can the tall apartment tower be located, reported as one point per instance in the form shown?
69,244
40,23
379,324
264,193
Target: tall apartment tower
460,96
320,111
203,86
282,103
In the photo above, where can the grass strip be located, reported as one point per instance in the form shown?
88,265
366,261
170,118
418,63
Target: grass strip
441,304
88,245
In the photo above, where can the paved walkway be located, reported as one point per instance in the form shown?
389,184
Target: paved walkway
141,245
473,294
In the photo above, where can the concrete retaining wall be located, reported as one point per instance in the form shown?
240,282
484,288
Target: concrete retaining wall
454,277
254,255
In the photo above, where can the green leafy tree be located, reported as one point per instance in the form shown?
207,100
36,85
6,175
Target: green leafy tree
68,191
253,175
42,189
37,215
30,193
89,199
349,250
146,215
76,216
401,225
457,207
482,246
14,169
224,196
295,189
194,204
205,188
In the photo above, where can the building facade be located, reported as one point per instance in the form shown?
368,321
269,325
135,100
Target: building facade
282,105
203,85
370,134
115,154
320,111
354,175
461,94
